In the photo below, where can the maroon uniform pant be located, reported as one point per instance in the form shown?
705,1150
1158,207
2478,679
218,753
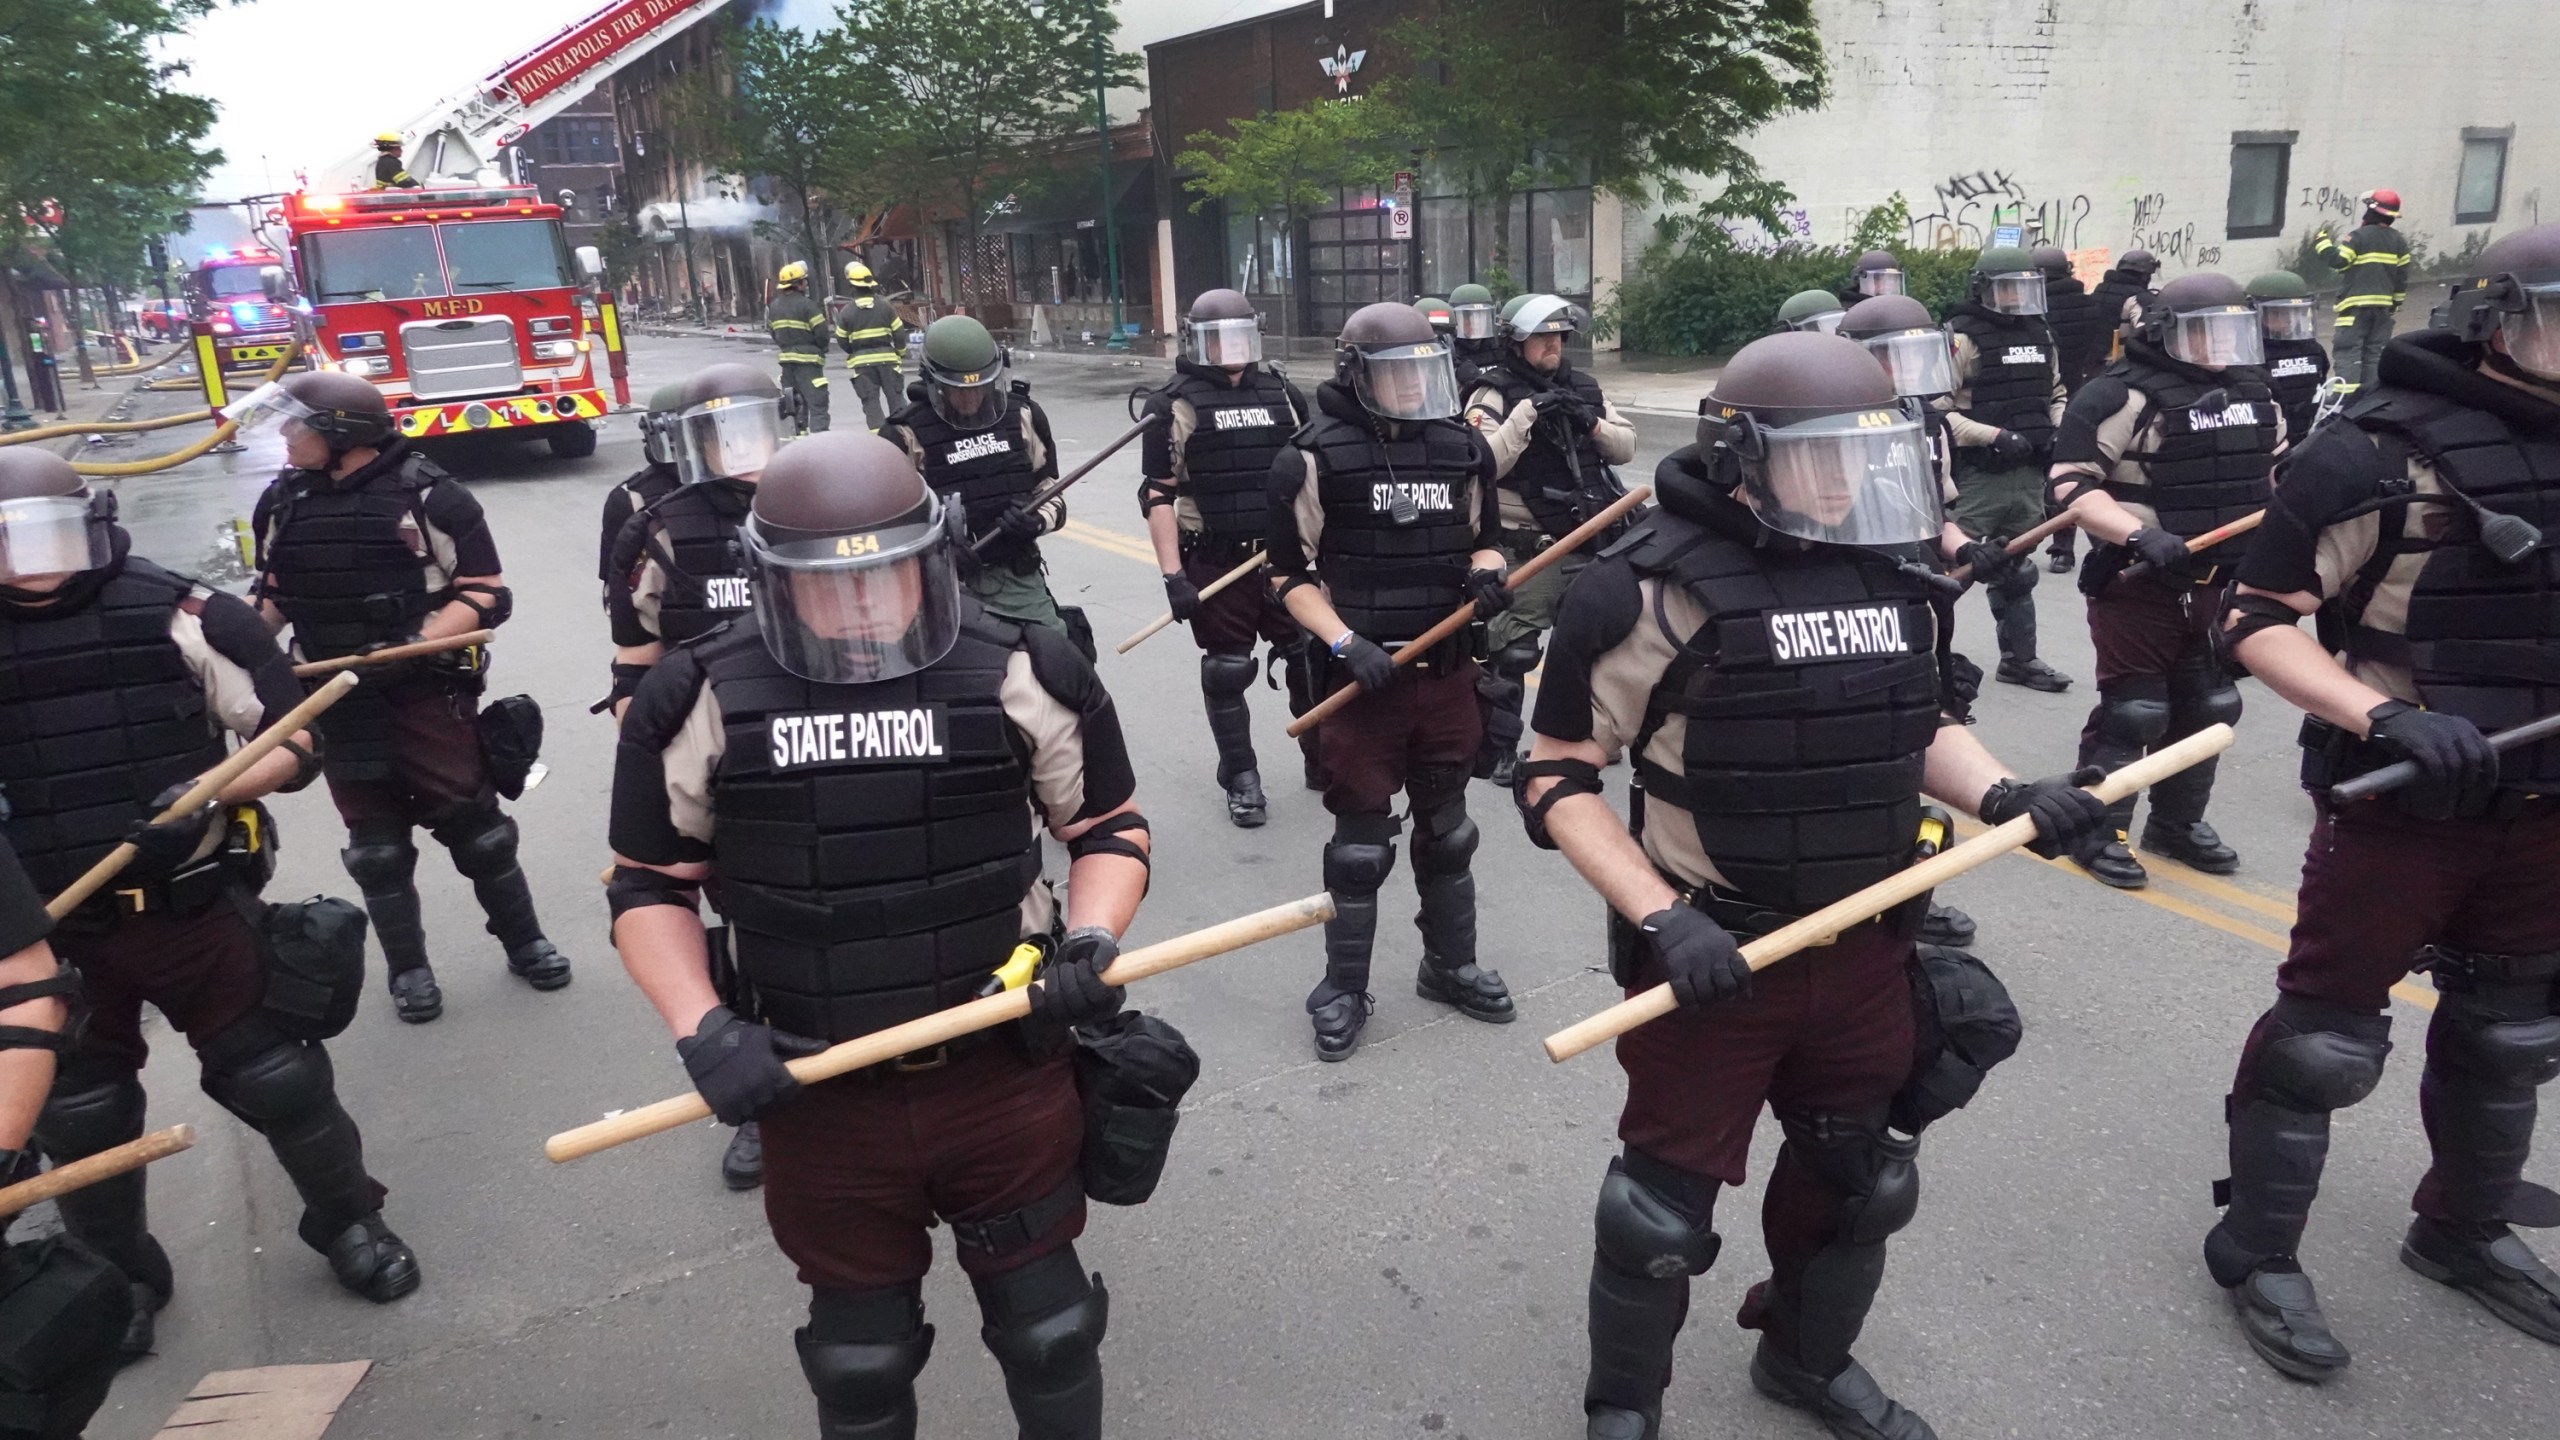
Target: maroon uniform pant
1373,746
438,769
2159,681
1240,616
204,972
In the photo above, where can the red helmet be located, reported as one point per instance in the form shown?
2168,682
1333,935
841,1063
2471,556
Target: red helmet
2385,203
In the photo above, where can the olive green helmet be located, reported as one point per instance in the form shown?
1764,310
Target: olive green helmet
2279,285
2006,279
1435,310
1471,314
964,372
1810,310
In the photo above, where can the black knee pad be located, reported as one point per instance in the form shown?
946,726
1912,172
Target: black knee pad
1044,1319
1516,659
1876,1170
2318,1057
2495,1016
2134,710
1361,854
1656,1226
1444,841
2019,582
483,844
2201,693
274,1085
379,857
862,1350
1227,672
89,1113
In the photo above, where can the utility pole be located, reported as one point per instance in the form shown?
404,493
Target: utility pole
1110,208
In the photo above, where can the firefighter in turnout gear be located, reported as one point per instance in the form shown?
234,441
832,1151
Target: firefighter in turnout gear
1206,500
390,172
978,437
1781,764
2374,259
1383,521
800,331
2297,365
2007,400
875,354
364,544
656,476
1554,437
64,1308
1475,326
863,772
119,686
2177,438
2417,527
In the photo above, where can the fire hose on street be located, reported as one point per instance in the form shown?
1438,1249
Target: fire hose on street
221,433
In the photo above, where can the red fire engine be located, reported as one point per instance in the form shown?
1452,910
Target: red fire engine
227,301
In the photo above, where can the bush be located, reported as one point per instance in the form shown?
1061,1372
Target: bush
1710,296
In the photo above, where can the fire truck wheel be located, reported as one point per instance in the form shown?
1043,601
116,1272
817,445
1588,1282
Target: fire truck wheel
574,441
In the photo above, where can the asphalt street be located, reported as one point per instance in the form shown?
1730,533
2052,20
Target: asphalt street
1392,1247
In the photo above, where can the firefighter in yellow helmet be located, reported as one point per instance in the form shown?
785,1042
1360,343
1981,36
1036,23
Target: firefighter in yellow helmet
390,172
874,352
800,330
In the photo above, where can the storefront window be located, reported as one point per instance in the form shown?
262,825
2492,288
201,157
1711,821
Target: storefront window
1560,241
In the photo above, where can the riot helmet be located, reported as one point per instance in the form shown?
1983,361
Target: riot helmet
2139,262
51,525
1435,310
1877,273
342,411
2511,300
728,423
658,425
1810,310
1399,367
1223,330
1825,449
1897,330
854,562
1536,314
2205,320
964,373
2284,305
2054,261
2007,282
1471,314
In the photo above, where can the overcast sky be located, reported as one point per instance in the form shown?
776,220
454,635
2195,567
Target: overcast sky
298,88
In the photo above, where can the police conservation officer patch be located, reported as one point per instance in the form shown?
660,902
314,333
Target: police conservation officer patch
978,447
2024,355
2295,365
1845,632
806,738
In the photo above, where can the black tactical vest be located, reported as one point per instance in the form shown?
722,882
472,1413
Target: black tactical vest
2078,333
2113,289
99,713
1226,462
2013,371
1561,475
644,488
2297,369
874,843
1397,526
694,539
2208,467
990,470
2483,638
349,561
1811,694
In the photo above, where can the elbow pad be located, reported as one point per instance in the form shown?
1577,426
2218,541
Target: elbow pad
306,763
1572,777
1154,495
2249,614
494,610
637,887
1105,839
63,983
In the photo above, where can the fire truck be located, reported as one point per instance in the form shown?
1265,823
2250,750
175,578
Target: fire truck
227,301
464,305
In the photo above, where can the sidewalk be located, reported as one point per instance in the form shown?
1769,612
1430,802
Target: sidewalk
117,397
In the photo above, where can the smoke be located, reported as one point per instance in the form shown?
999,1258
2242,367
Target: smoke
806,16
705,214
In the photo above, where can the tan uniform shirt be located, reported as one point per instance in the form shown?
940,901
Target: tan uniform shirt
2122,438
1511,434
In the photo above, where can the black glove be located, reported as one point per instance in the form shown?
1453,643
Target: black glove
1704,962
1550,402
2012,448
1182,595
2069,820
736,1064
1070,991
1014,532
161,848
1991,562
1492,597
1371,666
2157,547
2448,748
384,672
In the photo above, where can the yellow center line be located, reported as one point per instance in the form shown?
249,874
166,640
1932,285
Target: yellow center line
1112,542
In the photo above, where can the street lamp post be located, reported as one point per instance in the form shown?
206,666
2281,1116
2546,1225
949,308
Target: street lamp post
1110,209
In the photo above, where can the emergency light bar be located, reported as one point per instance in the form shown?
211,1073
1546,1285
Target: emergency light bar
380,200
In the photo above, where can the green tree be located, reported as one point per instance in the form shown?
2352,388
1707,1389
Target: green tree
954,99
1287,163
787,123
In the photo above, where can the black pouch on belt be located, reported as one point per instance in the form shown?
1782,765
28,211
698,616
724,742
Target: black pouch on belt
511,738
1132,1071
315,964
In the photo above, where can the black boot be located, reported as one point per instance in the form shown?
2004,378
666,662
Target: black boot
383,861
1247,807
1356,862
483,843
2280,1317
2194,844
1444,847
742,1164
2175,826
2488,1263
368,1259
1044,1324
415,996
2114,865
1848,1402
1225,677
2033,674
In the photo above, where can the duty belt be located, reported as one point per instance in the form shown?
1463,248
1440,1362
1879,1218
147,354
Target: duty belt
187,892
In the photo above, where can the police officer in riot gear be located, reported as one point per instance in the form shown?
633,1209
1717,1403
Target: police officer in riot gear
1808,491
2079,329
2008,398
978,436
2175,439
2414,525
1554,437
800,331
874,357
1206,500
1383,521
859,771
1475,326
1436,310
132,677
2122,294
656,476
1809,310
2297,365
364,544
1878,272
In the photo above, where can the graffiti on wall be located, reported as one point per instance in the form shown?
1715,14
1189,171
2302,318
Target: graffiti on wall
1969,205
2155,231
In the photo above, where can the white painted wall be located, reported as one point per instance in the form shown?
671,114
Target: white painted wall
2116,116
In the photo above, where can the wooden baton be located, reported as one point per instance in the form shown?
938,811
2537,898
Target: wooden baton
1867,904
1250,564
2205,541
1457,619
2392,777
463,641
944,1026
2022,544
205,790
1058,487
105,1165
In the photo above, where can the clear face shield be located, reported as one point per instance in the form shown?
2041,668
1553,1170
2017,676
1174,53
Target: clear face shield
850,609
1473,322
1880,282
1862,478
268,411
54,535
2020,292
1223,343
1921,362
728,437
1825,322
2533,333
2285,319
1408,382
967,400
2213,339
